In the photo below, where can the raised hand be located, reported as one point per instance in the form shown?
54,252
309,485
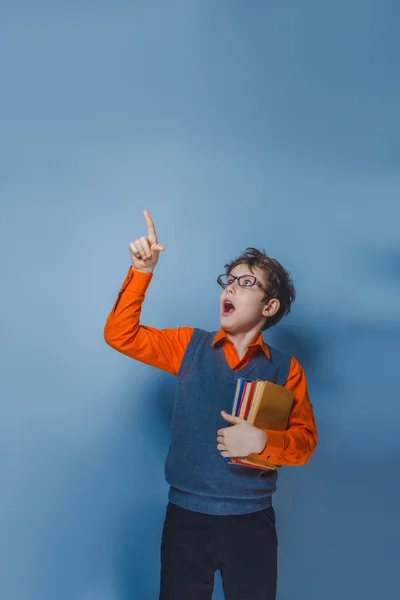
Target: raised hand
145,250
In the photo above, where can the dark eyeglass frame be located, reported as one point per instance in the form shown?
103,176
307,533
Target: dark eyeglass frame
255,282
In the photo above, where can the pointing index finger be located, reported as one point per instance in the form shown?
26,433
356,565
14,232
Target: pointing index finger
150,226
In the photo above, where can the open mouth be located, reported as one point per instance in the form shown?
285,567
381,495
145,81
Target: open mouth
228,308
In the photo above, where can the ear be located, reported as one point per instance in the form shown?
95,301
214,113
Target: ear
271,308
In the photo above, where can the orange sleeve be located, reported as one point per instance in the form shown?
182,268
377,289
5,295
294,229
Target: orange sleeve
163,349
296,445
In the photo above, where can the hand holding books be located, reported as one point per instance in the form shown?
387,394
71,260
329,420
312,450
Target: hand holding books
264,405
240,440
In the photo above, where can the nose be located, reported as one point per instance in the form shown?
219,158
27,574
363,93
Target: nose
230,286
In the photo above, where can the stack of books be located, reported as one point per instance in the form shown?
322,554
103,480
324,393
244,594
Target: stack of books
265,405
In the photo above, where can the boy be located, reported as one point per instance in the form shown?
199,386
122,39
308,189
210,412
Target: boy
219,515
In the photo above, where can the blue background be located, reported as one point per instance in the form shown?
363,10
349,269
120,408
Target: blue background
261,123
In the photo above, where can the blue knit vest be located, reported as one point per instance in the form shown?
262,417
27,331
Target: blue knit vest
200,479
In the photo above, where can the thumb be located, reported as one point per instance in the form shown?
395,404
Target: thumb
158,247
230,418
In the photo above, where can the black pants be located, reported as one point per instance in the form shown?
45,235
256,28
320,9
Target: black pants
242,547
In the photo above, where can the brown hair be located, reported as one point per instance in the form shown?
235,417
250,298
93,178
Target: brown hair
278,281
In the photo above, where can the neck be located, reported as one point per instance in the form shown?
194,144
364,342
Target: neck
243,340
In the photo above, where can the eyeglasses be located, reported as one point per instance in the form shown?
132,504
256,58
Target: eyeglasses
245,281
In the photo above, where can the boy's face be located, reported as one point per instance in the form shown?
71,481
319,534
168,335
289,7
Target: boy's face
242,308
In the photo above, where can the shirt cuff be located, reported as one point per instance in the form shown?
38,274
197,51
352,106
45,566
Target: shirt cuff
274,445
136,282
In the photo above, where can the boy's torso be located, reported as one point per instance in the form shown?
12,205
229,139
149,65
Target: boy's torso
200,479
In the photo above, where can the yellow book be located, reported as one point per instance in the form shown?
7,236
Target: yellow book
256,400
272,407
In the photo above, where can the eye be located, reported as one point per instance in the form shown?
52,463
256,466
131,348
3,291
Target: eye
230,279
247,281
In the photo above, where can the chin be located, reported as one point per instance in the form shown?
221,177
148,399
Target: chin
223,323
229,327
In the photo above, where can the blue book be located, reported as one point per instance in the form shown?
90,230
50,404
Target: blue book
240,387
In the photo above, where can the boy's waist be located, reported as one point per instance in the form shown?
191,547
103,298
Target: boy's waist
217,505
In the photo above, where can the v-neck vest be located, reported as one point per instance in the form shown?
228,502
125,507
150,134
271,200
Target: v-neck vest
200,479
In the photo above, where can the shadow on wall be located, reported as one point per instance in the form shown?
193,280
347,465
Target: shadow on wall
307,346
338,512
141,529
139,560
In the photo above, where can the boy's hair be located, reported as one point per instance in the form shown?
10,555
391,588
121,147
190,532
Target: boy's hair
278,281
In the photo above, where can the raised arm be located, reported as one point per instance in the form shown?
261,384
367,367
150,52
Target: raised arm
163,349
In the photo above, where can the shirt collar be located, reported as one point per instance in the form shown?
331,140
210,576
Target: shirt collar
221,335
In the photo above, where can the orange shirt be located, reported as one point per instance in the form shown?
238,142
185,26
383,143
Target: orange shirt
165,349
